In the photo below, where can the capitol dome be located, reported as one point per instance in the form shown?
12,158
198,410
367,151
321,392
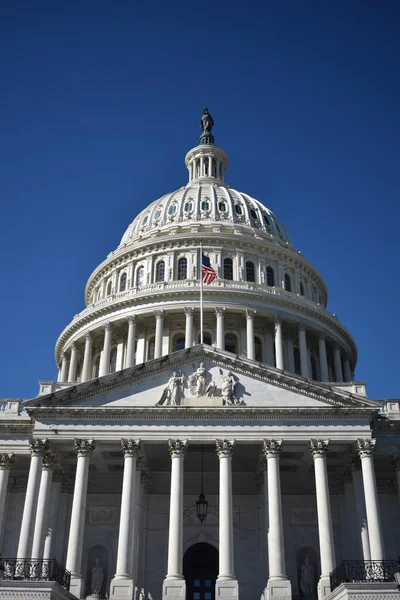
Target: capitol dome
267,303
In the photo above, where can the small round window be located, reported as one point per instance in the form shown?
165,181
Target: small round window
172,209
267,221
205,205
188,207
222,206
238,209
253,213
157,215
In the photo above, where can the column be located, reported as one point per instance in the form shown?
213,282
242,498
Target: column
220,327
226,585
72,363
396,464
48,551
130,344
123,585
43,506
159,333
338,364
290,353
87,358
6,460
318,450
323,361
280,363
189,326
84,450
251,351
210,166
201,166
174,587
104,367
64,368
218,171
278,583
305,372
346,369
37,448
365,449
361,512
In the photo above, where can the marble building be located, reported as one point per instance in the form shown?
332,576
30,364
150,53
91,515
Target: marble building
156,466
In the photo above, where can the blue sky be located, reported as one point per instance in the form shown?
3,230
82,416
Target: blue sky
101,100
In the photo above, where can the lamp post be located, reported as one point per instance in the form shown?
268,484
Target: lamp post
201,504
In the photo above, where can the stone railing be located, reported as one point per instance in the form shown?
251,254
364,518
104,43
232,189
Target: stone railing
16,569
9,409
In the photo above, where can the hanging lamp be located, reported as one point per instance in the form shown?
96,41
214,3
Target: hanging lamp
201,504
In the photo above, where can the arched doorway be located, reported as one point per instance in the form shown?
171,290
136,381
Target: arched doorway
200,570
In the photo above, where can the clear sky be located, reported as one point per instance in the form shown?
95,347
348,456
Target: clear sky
101,100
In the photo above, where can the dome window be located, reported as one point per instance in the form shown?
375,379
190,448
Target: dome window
188,207
160,271
179,342
228,269
270,277
258,349
205,205
140,277
302,291
109,288
267,221
172,209
288,283
122,282
157,215
238,209
222,206
277,226
250,271
253,214
113,361
231,343
145,219
182,269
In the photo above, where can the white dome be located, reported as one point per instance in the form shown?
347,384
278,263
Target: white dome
208,201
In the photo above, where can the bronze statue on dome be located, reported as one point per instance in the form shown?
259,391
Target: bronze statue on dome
206,121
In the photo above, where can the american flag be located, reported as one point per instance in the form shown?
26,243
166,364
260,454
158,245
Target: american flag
208,273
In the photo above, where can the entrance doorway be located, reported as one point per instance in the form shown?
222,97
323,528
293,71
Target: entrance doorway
200,570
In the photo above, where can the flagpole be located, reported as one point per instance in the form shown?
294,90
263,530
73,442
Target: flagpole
201,291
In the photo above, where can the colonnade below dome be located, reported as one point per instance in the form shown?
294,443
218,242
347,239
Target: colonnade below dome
135,339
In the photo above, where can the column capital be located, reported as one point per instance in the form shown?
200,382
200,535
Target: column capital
318,447
49,461
131,319
84,447
219,311
159,314
38,447
302,327
107,326
73,346
188,310
131,447
277,319
63,355
88,336
177,448
272,448
6,460
395,462
365,447
224,448
250,314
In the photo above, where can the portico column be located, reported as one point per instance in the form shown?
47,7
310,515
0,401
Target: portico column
189,310
72,363
365,449
123,585
251,351
174,586
130,344
305,371
52,525
87,358
84,450
64,368
361,513
104,367
210,166
220,327
346,369
159,333
280,362
278,583
323,361
338,364
43,506
37,448
6,460
318,450
226,585
201,166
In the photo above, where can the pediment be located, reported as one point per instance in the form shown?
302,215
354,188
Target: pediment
203,377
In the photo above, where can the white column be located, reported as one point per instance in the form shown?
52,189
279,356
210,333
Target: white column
64,368
159,333
52,526
174,587
396,464
280,362
6,460
218,172
361,513
303,352
130,344
37,448
318,450
251,351
210,166
72,362
220,327
43,506
104,367
201,166
226,585
365,449
323,361
87,358
84,450
278,583
189,310
346,369
290,353
338,364
123,584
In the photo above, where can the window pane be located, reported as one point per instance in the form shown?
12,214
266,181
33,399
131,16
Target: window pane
253,213
231,343
188,206
270,277
207,596
140,277
196,583
179,343
288,283
222,206
157,215
228,269
207,583
122,283
267,221
160,271
238,209
205,206
182,268
250,271
172,209
196,595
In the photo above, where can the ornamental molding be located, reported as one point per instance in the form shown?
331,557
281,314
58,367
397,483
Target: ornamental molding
318,448
177,448
38,447
224,448
272,448
6,460
365,447
84,447
131,448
